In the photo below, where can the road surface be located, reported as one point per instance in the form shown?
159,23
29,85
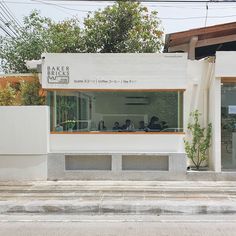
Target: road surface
58,225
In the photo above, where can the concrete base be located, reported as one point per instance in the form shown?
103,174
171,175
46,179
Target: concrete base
176,169
210,176
124,166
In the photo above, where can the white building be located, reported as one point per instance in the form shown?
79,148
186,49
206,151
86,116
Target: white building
120,116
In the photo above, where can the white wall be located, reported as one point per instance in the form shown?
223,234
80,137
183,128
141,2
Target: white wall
114,70
225,64
203,95
23,167
118,143
24,139
24,129
195,95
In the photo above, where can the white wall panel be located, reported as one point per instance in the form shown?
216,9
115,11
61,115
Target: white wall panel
25,167
118,143
24,129
225,64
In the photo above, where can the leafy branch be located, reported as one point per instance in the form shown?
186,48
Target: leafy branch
200,140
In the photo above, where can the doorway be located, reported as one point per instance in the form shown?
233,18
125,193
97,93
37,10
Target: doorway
228,126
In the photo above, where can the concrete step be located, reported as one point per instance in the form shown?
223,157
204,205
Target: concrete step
118,197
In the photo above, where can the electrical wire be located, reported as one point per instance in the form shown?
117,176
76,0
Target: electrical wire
11,14
53,4
7,25
2,27
152,5
9,20
206,14
99,4
8,16
164,18
195,17
157,1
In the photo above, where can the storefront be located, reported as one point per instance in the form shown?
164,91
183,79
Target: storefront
96,96
122,116
116,105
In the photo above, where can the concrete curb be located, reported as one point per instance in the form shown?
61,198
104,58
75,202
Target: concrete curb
160,207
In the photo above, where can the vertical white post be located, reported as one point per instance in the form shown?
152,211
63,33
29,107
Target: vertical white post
179,109
55,109
215,119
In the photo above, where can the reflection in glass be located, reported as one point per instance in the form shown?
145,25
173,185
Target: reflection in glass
116,111
228,125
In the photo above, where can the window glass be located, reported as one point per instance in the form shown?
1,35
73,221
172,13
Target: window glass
116,111
228,126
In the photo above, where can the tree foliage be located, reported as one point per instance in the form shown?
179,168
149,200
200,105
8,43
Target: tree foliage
123,27
7,96
196,148
39,34
25,93
29,93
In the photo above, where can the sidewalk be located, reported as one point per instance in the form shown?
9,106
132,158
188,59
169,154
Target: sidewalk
118,197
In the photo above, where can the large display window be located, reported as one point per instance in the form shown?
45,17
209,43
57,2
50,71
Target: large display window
116,111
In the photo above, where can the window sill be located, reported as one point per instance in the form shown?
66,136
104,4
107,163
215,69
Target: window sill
115,133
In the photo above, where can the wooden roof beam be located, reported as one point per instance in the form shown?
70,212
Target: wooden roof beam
218,40
191,49
202,43
204,30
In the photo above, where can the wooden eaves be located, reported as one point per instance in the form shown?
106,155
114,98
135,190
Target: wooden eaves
190,40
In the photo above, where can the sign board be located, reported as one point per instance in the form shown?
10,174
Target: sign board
114,71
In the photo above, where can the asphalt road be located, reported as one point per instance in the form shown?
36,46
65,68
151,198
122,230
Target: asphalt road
20,225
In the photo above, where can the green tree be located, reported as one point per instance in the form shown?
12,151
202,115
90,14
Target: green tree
39,34
7,96
123,27
29,93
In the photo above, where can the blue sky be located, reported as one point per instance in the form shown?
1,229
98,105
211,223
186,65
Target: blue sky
174,16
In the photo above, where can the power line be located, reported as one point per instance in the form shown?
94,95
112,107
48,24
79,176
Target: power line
156,4
9,20
195,17
7,25
73,9
2,27
53,4
165,1
181,6
11,14
99,4
164,18
206,14
7,14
